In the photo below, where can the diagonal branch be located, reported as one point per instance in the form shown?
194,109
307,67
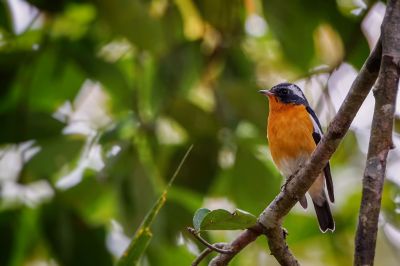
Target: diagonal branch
297,186
219,247
381,137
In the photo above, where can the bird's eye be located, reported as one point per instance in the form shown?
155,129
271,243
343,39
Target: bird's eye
284,91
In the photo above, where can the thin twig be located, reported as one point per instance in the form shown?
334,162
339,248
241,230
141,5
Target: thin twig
206,252
178,169
201,256
208,245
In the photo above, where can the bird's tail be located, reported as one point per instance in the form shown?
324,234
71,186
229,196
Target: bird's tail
324,214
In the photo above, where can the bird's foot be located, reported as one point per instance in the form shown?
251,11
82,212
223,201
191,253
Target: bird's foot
283,187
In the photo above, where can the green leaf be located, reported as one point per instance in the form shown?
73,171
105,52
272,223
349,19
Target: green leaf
221,219
143,234
26,233
199,217
137,247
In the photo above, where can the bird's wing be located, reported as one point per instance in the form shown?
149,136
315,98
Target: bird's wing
317,135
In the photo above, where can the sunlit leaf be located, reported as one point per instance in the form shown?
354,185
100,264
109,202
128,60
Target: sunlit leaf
199,217
137,247
221,219
142,236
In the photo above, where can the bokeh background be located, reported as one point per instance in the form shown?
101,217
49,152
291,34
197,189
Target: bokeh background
99,100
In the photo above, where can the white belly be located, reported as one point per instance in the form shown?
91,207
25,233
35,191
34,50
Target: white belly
289,165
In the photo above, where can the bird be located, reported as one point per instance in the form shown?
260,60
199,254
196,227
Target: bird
293,132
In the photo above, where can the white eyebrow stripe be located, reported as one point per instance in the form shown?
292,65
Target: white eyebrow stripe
315,125
297,91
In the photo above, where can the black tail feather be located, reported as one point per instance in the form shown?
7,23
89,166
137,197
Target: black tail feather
329,183
324,216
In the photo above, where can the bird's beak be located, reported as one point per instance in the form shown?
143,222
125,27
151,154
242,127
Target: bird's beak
266,92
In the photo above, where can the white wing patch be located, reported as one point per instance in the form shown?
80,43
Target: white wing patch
315,125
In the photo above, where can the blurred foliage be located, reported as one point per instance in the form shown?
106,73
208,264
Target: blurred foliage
113,92
143,234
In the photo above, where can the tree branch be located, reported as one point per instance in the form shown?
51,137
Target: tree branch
381,137
296,187
245,238
279,249
219,247
205,253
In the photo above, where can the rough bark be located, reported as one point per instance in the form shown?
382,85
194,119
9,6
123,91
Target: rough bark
380,143
279,248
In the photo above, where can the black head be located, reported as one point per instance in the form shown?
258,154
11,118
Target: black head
286,93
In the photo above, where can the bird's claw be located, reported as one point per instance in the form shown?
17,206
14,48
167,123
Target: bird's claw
283,187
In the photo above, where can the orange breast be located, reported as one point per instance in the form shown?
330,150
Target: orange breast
289,131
